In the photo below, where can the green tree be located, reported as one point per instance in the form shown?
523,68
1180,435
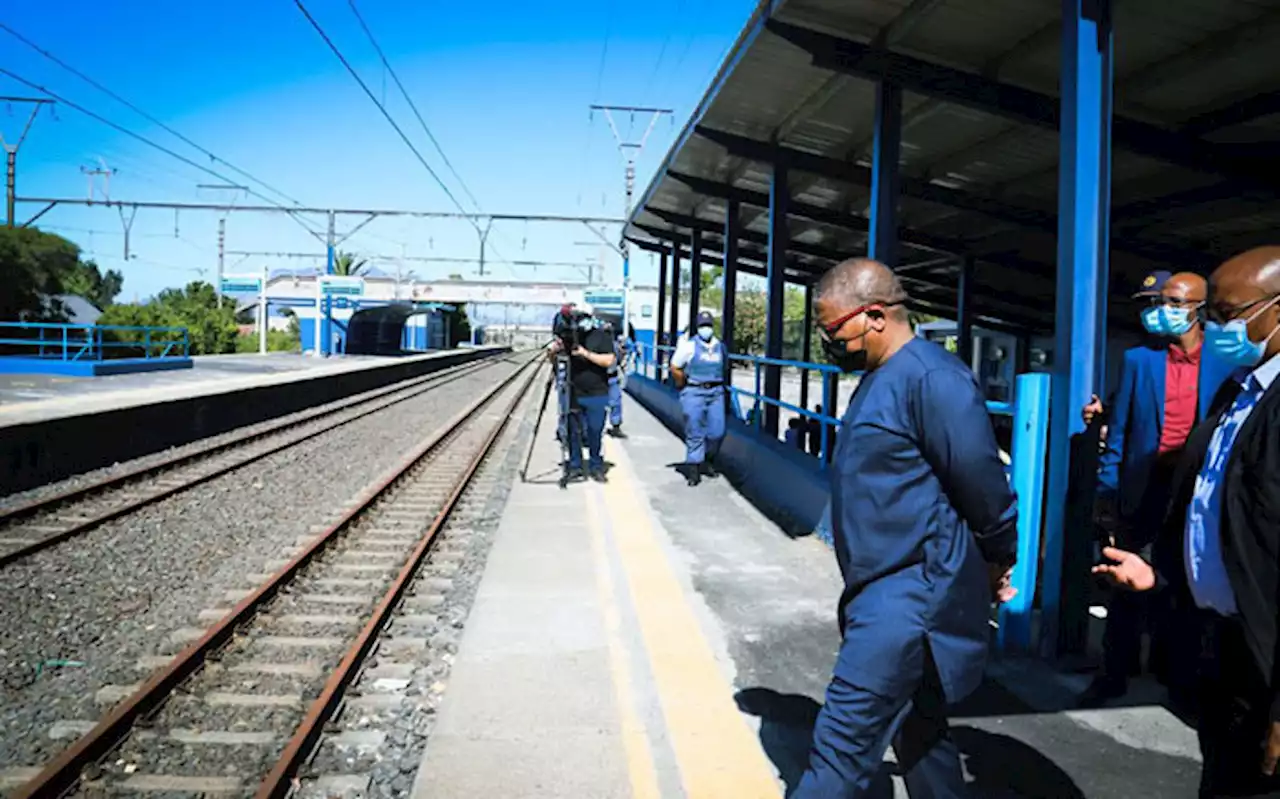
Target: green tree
211,327
33,268
459,326
99,288
349,264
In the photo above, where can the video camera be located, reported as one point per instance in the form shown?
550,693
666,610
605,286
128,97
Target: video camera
572,324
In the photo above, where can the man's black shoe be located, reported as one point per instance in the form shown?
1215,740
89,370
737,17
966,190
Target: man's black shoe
616,432
574,474
690,472
707,470
598,475
1102,690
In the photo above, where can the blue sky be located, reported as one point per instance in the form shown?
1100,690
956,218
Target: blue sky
504,87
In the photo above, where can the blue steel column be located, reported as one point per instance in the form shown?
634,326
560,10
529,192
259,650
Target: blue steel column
779,236
732,217
662,311
1084,195
882,244
964,311
806,345
674,321
326,328
695,275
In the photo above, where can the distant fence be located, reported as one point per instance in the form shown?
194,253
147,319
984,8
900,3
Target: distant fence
87,343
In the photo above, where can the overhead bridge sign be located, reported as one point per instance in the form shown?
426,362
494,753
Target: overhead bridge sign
605,300
341,285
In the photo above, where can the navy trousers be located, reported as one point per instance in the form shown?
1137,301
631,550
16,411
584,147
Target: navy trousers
587,423
856,727
615,401
703,410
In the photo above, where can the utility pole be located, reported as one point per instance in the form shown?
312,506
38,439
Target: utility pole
222,229
630,150
484,238
11,153
93,174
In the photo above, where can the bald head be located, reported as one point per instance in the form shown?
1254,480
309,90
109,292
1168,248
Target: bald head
861,281
1257,269
1245,287
1187,286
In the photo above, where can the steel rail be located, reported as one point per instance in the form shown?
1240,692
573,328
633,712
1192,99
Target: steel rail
13,515
62,773
279,783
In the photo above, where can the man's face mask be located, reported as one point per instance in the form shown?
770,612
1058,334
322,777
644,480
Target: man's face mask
705,332
837,350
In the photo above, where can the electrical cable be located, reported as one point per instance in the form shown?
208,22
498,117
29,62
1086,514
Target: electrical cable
141,113
412,106
122,129
383,109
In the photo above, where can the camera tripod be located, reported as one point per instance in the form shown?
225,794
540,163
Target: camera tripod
560,378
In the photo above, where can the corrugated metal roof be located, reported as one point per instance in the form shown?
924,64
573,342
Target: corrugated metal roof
1178,63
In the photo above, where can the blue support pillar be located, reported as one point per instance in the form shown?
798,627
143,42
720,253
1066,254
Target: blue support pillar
779,236
964,311
674,321
728,308
882,244
695,276
659,326
1084,197
326,302
806,344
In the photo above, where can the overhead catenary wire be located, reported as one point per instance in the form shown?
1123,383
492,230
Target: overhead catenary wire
382,108
412,106
149,142
142,113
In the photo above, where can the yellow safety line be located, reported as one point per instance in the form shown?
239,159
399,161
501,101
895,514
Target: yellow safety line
635,741
719,756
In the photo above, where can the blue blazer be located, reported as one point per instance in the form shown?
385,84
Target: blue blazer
1137,417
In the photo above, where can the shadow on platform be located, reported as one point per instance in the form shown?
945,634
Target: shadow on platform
997,766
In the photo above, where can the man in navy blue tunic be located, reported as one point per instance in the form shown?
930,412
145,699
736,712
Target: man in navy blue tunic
925,529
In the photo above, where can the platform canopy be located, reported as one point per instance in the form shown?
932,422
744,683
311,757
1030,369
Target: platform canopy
1195,169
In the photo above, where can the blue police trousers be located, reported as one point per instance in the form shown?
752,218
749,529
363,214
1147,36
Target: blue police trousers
615,401
855,728
587,422
703,410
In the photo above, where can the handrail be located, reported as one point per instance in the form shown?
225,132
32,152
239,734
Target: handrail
82,342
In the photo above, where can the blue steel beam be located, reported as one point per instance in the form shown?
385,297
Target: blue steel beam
1084,195
728,294
920,189
779,241
1012,102
885,165
659,326
673,323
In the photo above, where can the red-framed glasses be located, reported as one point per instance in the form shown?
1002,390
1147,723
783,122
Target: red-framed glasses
829,331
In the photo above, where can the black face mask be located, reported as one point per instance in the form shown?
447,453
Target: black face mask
844,360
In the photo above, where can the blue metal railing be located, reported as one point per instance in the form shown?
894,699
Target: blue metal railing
69,342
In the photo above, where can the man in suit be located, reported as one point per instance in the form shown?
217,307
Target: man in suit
1164,388
1225,516
925,532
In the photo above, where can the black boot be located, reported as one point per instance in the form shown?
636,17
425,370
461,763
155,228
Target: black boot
690,472
706,469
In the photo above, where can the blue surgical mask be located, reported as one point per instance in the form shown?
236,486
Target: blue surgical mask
705,332
1175,321
1230,342
1151,320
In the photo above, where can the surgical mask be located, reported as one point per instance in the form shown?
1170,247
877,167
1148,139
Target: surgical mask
1230,342
705,332
838,354
1151,320
1175,321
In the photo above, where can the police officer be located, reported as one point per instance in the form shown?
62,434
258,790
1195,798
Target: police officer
699,368
620,352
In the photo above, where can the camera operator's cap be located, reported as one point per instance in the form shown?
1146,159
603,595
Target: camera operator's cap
704,318
1153,283
585,308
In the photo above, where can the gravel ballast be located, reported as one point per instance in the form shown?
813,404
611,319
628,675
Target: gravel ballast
87,614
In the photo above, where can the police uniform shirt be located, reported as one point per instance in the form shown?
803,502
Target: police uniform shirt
686,349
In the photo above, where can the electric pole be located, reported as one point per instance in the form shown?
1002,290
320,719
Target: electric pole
93,174
222,229
630,149
11,153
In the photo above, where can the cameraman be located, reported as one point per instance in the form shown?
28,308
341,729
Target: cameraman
592,355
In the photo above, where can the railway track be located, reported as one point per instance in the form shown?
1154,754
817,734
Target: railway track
41,523
242,710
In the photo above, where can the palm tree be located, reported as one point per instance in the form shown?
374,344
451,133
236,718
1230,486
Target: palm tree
349,264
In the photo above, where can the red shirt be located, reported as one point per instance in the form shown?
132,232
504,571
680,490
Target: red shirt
1181,395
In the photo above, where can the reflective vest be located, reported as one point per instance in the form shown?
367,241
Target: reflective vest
707,363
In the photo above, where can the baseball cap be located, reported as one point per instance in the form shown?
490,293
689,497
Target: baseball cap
1153,283
704,318
585,308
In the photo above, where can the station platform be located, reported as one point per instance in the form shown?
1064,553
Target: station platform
642,638
29,397
54,427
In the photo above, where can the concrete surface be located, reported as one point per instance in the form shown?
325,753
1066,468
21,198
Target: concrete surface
84,427
757,604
